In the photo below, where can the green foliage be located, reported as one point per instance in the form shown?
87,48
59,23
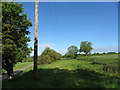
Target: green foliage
28,59
85,47
71,56
71,52
48,56
72,49
14,35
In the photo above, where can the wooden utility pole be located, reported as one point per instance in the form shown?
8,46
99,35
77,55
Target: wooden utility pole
36,38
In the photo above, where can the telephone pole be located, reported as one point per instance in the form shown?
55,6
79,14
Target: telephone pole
36,39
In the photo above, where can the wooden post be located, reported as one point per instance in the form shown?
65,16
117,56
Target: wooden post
36,38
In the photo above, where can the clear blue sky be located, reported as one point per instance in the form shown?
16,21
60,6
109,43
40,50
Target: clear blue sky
64,24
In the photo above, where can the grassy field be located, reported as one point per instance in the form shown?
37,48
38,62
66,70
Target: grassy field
108,61
19,65
69,73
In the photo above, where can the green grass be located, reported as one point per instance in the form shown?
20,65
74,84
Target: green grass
71,64
65,73
109,58
19,65
109,61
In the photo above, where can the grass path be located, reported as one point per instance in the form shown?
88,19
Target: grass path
21,65
18,68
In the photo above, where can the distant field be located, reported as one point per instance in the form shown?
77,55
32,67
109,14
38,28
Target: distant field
107,55
69,73
109,61
106,58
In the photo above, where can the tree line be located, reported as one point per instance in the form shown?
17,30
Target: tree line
85,47
49,55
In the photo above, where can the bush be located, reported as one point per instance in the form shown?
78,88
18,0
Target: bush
48,56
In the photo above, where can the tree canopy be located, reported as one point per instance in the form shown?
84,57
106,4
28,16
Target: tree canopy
14,35
72,51
85,47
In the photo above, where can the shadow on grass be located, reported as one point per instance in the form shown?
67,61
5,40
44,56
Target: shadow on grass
58,78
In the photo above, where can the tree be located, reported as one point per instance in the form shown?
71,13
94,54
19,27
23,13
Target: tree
72,51
36,39
85,47
14,35
48,56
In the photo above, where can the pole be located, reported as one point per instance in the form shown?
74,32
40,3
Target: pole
36,38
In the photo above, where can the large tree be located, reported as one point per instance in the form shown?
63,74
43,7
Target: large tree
14,35
85,47
72,51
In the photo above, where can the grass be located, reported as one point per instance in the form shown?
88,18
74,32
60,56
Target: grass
21,65
109,61
71,64
18,66
65,73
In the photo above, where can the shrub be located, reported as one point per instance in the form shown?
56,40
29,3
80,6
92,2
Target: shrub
48,56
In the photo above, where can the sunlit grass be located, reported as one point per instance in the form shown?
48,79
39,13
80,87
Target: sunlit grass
71,64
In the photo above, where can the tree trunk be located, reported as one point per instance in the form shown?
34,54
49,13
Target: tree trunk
10,71
86,55
36,38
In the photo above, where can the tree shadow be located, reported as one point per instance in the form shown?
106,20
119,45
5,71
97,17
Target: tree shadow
58,78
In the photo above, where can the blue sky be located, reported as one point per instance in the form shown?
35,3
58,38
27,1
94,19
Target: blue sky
62,24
